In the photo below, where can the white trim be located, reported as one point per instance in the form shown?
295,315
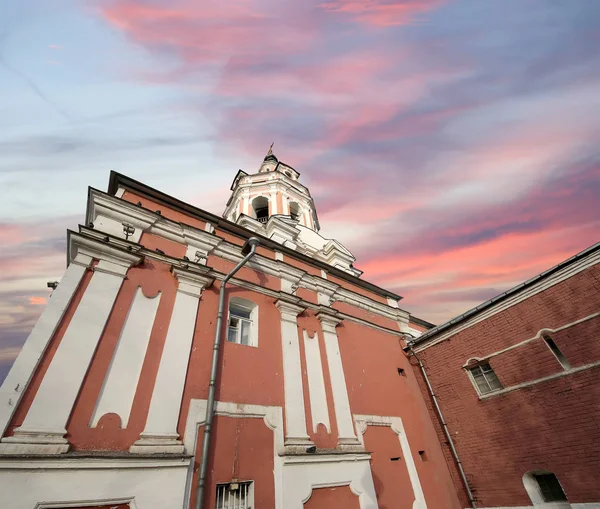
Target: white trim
584,505
44,426
295,417
160,432
562,275
19,376
341,403
316,383
273,419
253,321
122,376
147,483
295,476
538,335
559,374
396,425
88,503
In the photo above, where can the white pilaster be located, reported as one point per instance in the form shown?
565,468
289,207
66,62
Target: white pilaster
341,404
274,206
285,205
316,383
44,426
160,433
295,416
120,384
22,370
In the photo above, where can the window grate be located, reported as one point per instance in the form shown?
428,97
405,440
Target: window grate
485,378
234,495
550,488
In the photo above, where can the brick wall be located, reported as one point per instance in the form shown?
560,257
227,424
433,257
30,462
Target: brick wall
551,425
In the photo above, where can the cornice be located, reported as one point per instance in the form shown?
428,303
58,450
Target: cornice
101,249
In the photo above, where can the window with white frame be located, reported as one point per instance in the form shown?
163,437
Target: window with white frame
544,490
242,326
550,488
484,378
235,495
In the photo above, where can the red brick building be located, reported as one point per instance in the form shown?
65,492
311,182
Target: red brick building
517,380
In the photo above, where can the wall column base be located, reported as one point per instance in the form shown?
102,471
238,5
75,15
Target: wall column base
151,443
34,442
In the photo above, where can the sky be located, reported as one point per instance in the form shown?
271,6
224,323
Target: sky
452,146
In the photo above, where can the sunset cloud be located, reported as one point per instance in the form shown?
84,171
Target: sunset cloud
451,145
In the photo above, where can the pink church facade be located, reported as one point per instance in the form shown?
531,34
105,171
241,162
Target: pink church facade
316,404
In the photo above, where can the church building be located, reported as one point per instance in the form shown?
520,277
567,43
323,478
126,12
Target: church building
188,360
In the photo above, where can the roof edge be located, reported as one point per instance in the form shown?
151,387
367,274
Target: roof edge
117,180
503,296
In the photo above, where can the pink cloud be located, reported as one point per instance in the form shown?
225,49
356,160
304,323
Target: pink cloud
55,46
37,301
382,13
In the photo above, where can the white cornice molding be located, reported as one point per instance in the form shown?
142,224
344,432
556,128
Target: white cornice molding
251,224
281,232
95,248
95,463
200,244
109,213
191,282
559,276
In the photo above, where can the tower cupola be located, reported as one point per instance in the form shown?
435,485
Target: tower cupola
273,203
273,191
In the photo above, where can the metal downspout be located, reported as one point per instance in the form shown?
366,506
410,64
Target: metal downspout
446,430
249,249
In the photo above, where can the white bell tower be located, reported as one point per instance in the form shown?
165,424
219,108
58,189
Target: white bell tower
274,204
273,191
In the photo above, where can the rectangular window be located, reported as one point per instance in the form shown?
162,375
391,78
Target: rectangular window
550,488
556,351
240,325
234,495
485,378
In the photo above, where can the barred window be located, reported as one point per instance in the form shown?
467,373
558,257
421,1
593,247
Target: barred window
485,379
235,495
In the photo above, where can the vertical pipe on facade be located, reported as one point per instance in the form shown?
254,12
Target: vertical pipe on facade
249,249
445,428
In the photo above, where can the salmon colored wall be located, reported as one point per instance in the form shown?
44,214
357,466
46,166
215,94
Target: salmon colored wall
165,211
322,439
366,315
310,269
151,242
357,289
244,448
417,326
152,276
247,374
391,480
246,273
307,295
339,497
371,360
40,372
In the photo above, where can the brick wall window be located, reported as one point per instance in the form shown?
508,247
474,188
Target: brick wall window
550,488
484,378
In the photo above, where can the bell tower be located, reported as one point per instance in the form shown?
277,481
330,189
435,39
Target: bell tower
273,203
274,190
